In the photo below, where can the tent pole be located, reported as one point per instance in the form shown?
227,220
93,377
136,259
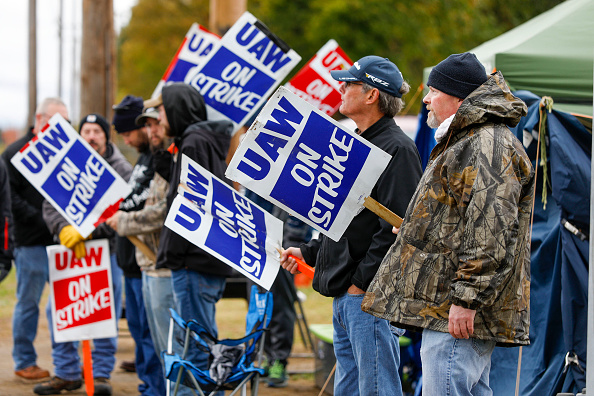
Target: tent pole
590,333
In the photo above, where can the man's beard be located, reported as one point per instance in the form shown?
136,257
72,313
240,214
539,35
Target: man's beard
157,146
432,121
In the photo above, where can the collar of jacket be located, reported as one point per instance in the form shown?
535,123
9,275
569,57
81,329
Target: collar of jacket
376,128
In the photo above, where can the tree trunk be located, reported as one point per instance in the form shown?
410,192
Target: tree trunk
97,58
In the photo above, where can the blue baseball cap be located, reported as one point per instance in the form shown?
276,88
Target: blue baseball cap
376,71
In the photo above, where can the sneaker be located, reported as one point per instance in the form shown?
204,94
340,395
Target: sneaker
266,367
56,385
277,375
33,373
102,386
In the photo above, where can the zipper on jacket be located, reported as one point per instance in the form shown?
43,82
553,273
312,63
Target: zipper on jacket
5,233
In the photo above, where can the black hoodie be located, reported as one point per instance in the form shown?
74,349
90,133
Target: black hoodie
26,202
207,143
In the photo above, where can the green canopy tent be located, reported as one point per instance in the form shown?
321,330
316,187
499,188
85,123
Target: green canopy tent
550,55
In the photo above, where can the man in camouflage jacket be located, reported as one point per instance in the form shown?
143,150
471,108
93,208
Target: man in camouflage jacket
461,262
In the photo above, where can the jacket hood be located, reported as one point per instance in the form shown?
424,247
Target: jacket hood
219,134
491,102
184,106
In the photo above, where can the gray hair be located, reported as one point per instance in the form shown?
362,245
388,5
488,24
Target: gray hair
45,103
389,105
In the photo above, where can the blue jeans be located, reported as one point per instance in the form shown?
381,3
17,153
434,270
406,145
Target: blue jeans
65,354
196,295
157,293
366,349
148,365
32,273
455,366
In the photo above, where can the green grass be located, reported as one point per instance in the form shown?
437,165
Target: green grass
230,312
231,315
8,295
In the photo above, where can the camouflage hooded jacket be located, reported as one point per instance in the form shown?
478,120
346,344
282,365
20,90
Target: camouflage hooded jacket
465,236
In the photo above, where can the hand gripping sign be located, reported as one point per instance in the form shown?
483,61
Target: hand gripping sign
82,292
216,218
314,84
308,164
71,175
237,77
196,45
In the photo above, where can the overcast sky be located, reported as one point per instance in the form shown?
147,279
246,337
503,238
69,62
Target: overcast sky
13,50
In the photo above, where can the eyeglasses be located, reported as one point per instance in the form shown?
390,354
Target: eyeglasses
349,83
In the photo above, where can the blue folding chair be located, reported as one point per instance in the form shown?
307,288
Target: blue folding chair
232,362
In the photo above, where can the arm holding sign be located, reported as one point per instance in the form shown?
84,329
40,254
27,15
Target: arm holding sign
145,224
145,221
289,263
66,234
61,229
72,239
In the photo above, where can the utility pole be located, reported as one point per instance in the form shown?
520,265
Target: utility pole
32,62
60,47
224,13
97,58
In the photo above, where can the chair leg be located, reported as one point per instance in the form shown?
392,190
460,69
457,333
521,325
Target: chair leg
196,384
255,384
242,385
179,375
170,352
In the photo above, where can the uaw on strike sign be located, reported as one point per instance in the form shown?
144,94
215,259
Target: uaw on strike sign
82,293
307,163
196,45
314,84
236,78
71,175
216,218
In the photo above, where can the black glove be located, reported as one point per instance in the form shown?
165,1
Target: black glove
162,163
5,269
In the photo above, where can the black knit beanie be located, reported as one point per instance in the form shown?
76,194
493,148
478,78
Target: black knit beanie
98,119
124,118
458,75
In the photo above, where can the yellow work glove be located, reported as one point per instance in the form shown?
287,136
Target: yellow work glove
70,237
80,250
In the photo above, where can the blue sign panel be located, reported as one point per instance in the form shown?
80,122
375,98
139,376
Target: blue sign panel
239,230
78,182
235,89
321,170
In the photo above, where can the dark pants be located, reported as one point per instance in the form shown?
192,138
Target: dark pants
148,365
279,340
